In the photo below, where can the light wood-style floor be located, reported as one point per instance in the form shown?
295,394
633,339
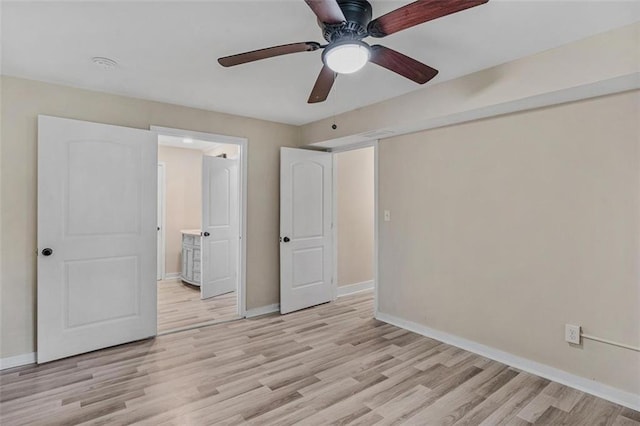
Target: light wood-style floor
332,364
179,306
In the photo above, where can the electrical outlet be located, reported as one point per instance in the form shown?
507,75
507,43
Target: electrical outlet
572,333
387,215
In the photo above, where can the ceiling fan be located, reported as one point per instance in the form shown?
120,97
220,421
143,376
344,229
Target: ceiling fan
344,24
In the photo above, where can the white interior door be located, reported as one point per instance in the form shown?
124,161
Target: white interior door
220,226
96,236
306,250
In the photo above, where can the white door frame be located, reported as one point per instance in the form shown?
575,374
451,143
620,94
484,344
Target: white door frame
162,195
243,143
353,147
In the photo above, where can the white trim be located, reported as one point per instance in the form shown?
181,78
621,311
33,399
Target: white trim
353,146
172,276
263,310
376,227
551,373
17,360
334,225
346,290
162,193
210,137
244,165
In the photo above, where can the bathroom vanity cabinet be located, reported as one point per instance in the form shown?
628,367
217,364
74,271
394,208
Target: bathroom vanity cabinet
191,257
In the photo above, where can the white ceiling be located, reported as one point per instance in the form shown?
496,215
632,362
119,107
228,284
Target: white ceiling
178,142
167,51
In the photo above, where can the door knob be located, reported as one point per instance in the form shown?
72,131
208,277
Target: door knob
206,234
47,252
286,239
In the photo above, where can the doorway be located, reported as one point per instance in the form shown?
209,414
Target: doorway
328,225
354,220
201,200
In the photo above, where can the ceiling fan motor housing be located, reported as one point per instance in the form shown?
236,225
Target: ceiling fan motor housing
358,14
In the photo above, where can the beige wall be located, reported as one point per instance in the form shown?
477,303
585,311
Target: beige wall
505,229
355,189
22,100
183,199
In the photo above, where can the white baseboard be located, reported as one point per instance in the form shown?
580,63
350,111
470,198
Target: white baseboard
172,276
17,361
346,290
263,310
582,384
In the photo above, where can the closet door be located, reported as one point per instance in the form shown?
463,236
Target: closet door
306,243
97,227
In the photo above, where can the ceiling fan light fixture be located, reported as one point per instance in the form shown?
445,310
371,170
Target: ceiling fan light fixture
347,57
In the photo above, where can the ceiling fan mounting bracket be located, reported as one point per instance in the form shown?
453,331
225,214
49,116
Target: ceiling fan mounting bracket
347,30
357,13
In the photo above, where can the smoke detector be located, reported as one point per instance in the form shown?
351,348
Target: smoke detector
104,63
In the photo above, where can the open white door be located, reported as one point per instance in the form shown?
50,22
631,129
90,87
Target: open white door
306,249
96,236
160,221
220,226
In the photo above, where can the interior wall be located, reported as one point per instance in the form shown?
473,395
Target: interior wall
504,230
22,101
355,224
183,199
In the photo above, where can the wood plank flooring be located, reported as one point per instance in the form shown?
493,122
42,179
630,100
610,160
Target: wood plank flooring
179,306
332,364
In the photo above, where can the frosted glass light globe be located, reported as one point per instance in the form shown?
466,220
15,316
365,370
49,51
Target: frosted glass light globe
346,58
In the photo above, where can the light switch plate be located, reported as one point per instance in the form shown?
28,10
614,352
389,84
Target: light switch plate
387,215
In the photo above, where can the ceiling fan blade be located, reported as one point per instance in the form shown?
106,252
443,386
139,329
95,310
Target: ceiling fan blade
416,13
401,64
327,11
323,85
269,52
